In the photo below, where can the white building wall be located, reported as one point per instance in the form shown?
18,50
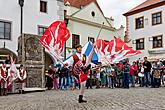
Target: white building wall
147,31
32,18
85,14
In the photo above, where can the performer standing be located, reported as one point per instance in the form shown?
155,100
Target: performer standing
78,62
22,75
4,75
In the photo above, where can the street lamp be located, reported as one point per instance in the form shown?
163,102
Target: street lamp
66,22
21,3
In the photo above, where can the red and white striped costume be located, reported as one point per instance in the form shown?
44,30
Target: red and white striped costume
77,68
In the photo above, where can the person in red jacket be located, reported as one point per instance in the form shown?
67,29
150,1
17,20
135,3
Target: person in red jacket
133,71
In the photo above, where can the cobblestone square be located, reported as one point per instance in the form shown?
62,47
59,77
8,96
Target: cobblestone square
98,99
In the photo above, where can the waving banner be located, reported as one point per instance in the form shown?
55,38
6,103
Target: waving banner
54,38
113,51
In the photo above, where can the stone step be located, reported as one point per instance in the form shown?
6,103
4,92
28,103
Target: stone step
34,89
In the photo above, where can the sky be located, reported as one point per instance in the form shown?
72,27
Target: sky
116,9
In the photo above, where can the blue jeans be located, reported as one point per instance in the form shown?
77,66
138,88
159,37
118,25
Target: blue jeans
132,80
110,82
141,81
147,78
63,83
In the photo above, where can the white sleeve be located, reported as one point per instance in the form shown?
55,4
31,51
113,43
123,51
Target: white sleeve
25,76
9,72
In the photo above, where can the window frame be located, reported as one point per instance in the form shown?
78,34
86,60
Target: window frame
153,37
46,6
136,26
10,30
43,27
73,36
91,38
140,44
156,18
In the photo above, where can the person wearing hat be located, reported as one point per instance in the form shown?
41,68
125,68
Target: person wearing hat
4,76
22,75
78,62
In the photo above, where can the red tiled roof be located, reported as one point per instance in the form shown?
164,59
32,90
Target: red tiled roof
145,4
79,3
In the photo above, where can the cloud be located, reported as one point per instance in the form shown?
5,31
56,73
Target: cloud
116,9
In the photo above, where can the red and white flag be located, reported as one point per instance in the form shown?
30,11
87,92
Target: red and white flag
103,50
54,38
114,51
13,72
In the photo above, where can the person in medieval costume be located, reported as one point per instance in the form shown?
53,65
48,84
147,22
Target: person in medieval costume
4,76
22,75
80,70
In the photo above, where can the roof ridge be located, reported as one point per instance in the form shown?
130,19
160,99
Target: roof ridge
147,3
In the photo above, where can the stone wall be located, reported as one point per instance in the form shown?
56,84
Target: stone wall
31,55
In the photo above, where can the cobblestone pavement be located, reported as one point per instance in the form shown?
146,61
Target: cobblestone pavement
98,99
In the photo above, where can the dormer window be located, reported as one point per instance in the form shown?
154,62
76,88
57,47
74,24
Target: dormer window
93,13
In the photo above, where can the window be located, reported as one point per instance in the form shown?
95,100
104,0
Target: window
157,41
157,18
41,30
139,22
43,6
140,44
91,39
75,40
5,30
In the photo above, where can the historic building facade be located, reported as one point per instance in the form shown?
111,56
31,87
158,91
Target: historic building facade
37,15
23,43
84,19
145,29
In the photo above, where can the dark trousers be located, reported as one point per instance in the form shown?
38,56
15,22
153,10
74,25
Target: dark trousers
156,82
126,80
89,83
147,78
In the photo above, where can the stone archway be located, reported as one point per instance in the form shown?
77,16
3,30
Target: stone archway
48,60
6,53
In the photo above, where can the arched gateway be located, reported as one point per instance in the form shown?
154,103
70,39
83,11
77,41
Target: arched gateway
5,55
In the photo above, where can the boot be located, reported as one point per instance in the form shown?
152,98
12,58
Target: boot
19,91
80,100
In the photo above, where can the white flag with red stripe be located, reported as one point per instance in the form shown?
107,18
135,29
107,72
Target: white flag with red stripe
13,72
113,51
54,38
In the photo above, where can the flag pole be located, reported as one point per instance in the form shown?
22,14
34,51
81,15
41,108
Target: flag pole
91,55
100,31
